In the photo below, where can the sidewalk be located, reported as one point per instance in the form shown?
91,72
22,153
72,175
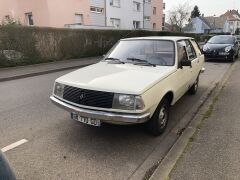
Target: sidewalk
38,69
213,153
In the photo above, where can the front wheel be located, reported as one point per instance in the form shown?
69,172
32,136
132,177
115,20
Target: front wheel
158,123
194,88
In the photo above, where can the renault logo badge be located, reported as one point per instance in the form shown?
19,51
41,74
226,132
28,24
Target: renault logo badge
82,96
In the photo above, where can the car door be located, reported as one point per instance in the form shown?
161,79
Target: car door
195,60
183,74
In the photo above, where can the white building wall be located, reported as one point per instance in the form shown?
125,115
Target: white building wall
147,12
125,13
97,19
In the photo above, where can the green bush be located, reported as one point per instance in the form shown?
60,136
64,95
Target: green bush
21,45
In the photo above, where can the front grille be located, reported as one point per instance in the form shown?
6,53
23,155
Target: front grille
88,97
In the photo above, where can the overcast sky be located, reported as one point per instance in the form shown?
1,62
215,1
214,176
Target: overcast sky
207,7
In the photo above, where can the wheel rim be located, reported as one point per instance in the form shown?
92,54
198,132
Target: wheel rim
162,118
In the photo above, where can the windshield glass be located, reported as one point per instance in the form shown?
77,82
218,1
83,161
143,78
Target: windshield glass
157,52
221,40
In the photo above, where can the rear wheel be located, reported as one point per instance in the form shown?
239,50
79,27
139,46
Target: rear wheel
194,88
158,123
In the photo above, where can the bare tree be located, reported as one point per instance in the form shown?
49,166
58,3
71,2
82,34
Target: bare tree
179,15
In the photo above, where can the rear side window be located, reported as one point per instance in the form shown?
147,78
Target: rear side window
190,51
196,47
182,53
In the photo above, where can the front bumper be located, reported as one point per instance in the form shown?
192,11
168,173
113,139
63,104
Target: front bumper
218,56
108,117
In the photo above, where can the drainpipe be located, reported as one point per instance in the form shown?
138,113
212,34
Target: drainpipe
105,4
143,13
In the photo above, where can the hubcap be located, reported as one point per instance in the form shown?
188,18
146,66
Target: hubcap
163,117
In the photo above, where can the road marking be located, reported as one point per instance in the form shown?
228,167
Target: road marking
14,145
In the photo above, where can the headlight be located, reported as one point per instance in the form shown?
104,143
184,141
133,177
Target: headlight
227,49
127,102
58,89
206,48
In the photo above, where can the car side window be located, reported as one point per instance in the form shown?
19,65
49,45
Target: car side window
190,51
182,53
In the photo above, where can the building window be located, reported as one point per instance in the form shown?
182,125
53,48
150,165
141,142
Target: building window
96,10
78,18
154,10
29,19
154,25
136,24
136,6
147,1
115,3
115,22
147,18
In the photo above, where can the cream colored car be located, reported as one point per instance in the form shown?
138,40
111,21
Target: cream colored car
136,82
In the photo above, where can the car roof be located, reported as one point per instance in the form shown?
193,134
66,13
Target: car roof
172,38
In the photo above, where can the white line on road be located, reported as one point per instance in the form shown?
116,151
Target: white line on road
14,145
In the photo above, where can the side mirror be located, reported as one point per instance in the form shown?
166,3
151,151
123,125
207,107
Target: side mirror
186,63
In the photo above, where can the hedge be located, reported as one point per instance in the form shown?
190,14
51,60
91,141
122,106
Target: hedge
30,45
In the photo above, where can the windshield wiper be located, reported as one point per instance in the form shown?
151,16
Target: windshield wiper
115,59
141,61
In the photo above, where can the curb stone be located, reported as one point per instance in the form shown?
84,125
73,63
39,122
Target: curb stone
53,70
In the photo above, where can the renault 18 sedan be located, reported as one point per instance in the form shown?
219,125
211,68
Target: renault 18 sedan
136,82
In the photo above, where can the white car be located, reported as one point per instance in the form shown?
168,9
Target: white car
136,82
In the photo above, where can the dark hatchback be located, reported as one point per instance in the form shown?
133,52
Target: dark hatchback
222,47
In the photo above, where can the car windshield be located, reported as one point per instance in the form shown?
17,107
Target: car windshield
148,52
221,40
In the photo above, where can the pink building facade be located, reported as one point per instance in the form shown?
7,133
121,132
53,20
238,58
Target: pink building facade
47,13
146,14
153,14
157,16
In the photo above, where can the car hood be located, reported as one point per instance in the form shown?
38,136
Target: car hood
217,46
117,78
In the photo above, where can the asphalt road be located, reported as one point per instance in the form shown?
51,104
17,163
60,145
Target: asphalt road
59,148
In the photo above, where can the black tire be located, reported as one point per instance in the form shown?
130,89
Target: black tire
194,88
155,125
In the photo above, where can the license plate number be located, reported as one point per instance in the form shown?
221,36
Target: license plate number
223,53
86,120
